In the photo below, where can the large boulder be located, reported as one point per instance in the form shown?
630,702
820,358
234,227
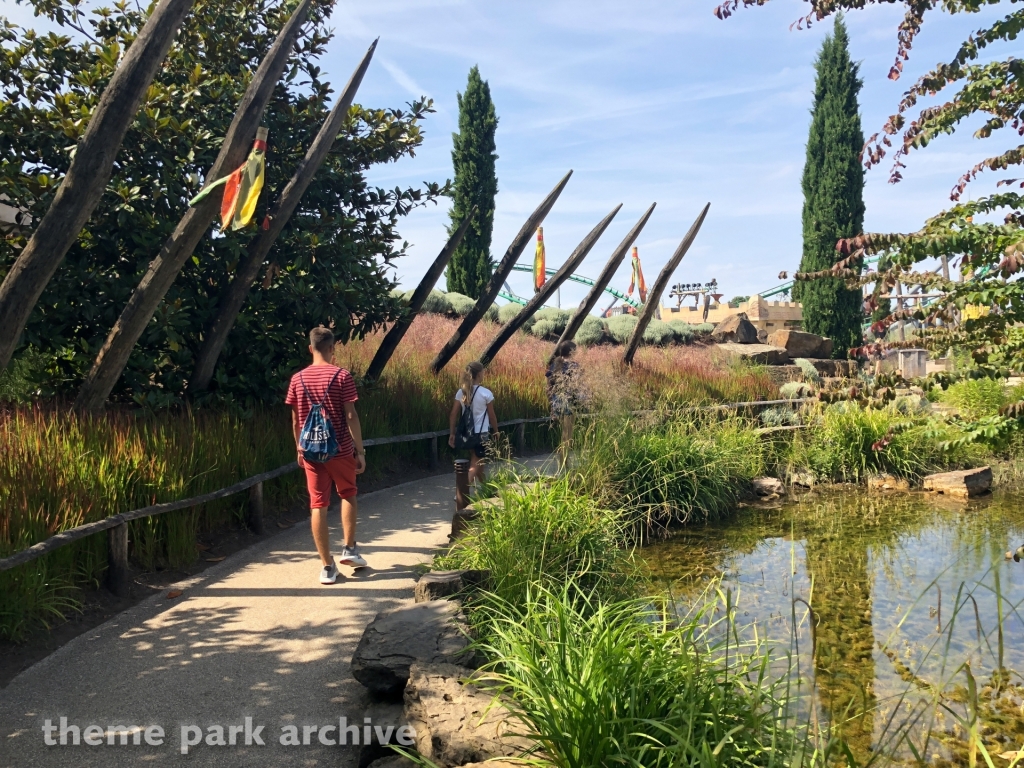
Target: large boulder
735,328
762,354
433,632
962,484
454,721
801,343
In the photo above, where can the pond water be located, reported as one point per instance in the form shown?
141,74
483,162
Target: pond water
881,605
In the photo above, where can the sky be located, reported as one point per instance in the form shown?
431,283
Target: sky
646,101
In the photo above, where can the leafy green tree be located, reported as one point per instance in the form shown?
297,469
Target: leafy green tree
833,186
984,237
475,184
327,266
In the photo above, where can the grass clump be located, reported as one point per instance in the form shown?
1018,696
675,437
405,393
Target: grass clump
976,398
681,471
610,683
847,443
548,535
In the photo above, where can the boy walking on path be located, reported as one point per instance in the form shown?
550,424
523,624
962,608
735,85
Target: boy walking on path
325,384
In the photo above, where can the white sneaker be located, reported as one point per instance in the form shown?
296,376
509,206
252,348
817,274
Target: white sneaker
329,573
350,556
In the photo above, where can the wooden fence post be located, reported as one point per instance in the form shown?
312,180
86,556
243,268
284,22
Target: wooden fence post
520,438
117,560
256,509
434,458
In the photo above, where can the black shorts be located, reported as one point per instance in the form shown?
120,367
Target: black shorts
480,450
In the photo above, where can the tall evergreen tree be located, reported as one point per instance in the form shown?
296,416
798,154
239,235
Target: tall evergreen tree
833,185
476,183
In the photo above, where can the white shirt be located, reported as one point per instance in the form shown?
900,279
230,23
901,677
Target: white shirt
481,400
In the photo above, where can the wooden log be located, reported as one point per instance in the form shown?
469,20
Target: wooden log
571,265
280,212
394,336
117,560
83,185
256,509
588,304
501,272
654,296
178,248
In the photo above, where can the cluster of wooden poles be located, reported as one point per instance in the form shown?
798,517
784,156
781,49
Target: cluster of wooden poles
91,168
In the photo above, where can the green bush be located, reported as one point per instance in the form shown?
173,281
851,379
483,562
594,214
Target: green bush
508,312
620,327
549,322
976,398
847,443
685,332
436,304
704,328
794,390
811,375
461,304
614,684
547,535
659,333
591,332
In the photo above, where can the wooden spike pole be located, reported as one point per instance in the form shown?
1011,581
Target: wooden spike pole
419,296
501,273
231,301
571,265
84,183
176,250
576,322
654,296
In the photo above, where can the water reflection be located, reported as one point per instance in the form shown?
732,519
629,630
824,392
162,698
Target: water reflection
904,589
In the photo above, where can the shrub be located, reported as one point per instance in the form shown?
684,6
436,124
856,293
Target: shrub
659,333
779,417
976,398
549,322
461,304
811,375
508,312
436,304
704,328
847,443
685,332
620,327
591,332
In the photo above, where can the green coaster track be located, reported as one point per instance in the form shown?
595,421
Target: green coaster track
508,296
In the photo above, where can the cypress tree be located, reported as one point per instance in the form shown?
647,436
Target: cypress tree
833,186
476,183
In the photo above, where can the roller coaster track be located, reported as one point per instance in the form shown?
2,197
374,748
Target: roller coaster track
509,296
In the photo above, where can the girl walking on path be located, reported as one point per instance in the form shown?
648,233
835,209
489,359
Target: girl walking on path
564,393
473,394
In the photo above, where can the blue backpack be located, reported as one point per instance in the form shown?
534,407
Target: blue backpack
317,440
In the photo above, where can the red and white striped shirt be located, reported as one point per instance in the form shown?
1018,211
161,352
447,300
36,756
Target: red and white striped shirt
343,390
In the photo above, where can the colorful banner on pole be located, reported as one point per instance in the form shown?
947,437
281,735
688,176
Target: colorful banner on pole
636,280
540,274
241,187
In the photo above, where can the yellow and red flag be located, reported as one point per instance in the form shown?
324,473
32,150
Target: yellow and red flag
241,187
540,274
636,280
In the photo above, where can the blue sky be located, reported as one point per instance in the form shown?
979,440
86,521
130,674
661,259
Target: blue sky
646,101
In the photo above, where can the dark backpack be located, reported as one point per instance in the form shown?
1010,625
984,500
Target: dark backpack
466,435
318,440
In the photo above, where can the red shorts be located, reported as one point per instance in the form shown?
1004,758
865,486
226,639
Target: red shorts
339,471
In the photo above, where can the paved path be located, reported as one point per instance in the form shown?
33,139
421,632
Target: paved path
255,636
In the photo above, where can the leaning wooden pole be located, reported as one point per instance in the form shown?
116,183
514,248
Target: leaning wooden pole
419,296
571,265
83,185
280,212
588,304
501,272
654,295
176,250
